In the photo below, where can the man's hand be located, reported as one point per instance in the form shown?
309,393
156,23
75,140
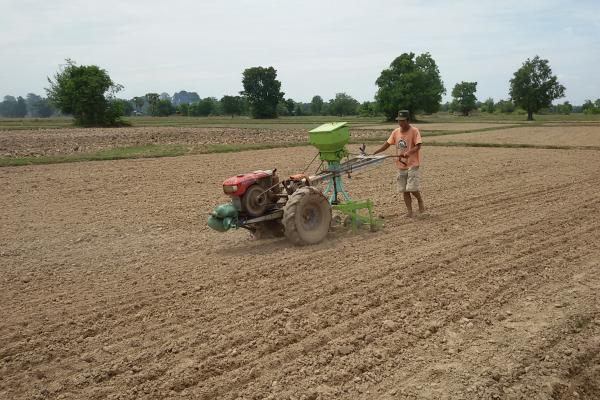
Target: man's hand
363,149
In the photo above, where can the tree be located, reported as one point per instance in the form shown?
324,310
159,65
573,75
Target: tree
290,105
164,108
183,109
126,106
205,107
138,103
232,105
6,107
185,97
464,97
564,108
505,106
590,107
316,105
262,90
38,106
87,93
410,83
152,99
13,108
533,86
343,104
368,109
488,106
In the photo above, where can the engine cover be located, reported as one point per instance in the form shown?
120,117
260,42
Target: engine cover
236,185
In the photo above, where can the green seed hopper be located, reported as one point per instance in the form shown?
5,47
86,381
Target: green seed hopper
331,139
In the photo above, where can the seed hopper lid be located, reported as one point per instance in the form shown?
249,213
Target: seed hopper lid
328,127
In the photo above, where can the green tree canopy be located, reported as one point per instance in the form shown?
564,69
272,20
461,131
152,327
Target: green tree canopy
38,106
505,106
343,104
232,105
138,102
205,107
590,107
87,93
367,109
464,97
262,90
316,105
410,83
185,97
488,106
164,108
533,86
290,105
564,108
13,107
152,99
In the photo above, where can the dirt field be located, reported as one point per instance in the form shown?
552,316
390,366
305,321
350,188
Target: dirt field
544,135
68,141
76,140
113,287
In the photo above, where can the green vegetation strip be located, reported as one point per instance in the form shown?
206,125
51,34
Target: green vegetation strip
512,145
148,151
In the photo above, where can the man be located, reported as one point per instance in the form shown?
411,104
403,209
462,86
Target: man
406,139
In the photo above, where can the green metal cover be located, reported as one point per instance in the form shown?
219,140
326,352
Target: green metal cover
331,139
329,127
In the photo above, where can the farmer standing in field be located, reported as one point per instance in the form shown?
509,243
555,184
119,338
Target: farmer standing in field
406,139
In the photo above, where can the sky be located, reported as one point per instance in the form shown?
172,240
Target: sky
318,47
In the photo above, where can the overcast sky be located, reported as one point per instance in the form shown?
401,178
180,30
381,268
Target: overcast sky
317,46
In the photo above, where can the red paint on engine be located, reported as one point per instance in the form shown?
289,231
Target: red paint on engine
243,181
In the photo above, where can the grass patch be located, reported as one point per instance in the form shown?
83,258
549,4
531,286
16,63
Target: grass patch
233,148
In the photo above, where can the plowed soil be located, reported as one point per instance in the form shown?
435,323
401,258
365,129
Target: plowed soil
68,141
113,287
583,136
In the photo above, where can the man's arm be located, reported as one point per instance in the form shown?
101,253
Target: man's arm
411,151
382,148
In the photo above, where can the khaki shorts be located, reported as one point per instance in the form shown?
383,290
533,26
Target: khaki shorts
408,179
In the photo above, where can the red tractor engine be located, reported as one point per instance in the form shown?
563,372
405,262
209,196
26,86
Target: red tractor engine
254,193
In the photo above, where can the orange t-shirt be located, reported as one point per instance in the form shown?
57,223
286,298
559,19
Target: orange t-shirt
403,142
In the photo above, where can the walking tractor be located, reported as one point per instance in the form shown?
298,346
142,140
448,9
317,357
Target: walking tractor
300,206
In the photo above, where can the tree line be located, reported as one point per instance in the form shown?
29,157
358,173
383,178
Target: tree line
32,105
190,104
411,82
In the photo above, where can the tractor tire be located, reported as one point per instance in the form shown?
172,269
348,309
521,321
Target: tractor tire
268,229
306,216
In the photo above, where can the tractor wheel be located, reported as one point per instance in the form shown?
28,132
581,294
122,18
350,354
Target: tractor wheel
255,201
268,229
306,216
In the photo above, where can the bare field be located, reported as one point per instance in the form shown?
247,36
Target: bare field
113,287
69,141
543,135
44,142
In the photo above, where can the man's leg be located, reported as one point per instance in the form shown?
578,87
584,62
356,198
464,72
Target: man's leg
408,202
420,201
